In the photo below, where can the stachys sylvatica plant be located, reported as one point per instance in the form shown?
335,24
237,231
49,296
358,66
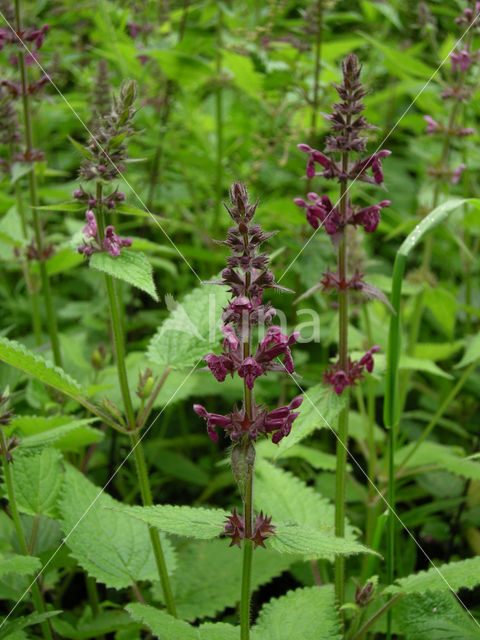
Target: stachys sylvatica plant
247,276
344,161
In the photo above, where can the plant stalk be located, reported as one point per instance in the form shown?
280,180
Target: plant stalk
218,118
8,479
135,440
32,182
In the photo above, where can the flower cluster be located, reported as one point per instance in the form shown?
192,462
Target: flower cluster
247,276
458,90
111,242
106,149
235,529
336,162
340,379
109,201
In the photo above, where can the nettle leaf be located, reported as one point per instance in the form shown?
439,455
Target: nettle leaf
319,409
94,627
166,627
285,497
37,480
10,627
130,266
58,431
18,356
454,575
315,457
438,616
11,229
19,565
308,613
301,540
472,352
191,330
191,522
162,624
429,453
207,577
112,547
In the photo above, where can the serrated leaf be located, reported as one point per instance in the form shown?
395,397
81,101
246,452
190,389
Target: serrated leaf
218,631
37,480
130,266
8,628
162,624
207,577
319,409
438,616
19,565
432,453
11,229
122,550
420,364
315,457
306,614
472,352
93,627
130,210
192,522
287,498
445,577
300,540
18,356
191,330
67,437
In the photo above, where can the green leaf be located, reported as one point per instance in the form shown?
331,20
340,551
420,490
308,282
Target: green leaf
71,205
438,616
437,350
111,546
191,330
166,627
306,614
432,453
207,577
12,626
37,480
18,356
402,60
421,364
130,210
18,170
319,409
315,457
443,306
244,74
300,540
192,522
93,627
81,149
19,565
472,352
130,266
162,624
11,229
445,577
72,436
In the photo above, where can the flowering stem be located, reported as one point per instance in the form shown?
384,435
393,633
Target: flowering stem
142,474
318,59
219,118
8,479
135,440
342,440
32,182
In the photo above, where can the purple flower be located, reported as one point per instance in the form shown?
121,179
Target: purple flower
280,420
250,370
90,229
376,165
367,360
112,243
461,60
432,125
339,379
322,210
369,217
213,420
457,174
466,131
315,157
231,342
220,366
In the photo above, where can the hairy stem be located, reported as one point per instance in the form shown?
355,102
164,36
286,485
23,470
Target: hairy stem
8,479
342,439
32,183
135,440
